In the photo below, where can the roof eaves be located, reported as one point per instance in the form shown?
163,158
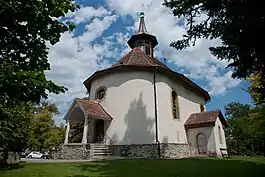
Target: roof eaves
70,109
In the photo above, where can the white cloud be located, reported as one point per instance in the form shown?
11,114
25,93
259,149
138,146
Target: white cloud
197,60
77,56
86,13
96,27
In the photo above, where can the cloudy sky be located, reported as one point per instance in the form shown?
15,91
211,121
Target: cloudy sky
103,28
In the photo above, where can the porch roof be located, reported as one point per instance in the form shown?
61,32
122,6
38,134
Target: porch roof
203,119
90,108
94,109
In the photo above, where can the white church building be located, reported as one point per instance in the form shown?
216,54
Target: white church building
141,108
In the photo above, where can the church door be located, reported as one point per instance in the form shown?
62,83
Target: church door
99,130
202,144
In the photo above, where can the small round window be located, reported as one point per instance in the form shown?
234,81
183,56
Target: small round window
100,93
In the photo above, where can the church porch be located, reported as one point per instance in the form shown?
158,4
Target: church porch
87,123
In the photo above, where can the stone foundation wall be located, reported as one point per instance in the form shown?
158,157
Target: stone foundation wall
72,152
169,150
172,150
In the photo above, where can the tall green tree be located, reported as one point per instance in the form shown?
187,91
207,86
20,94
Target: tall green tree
240,24
41,125
237,132
25,28
256,88
14,131
246,128
55,137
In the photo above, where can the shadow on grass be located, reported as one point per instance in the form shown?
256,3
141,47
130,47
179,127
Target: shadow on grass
8,167
181,168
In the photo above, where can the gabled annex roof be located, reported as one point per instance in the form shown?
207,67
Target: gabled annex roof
205,119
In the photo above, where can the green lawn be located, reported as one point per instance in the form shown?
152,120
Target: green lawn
237,166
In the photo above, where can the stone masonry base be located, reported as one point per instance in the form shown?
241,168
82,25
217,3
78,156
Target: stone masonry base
72,152
82,151
169,150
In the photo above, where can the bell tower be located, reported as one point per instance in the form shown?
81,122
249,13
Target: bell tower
142,39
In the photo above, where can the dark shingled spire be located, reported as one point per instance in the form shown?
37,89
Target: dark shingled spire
142,27
142,34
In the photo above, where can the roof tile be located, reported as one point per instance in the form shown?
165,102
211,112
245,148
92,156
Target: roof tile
94,109
204,118
137,57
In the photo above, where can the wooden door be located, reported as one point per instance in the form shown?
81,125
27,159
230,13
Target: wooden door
202,144
99,130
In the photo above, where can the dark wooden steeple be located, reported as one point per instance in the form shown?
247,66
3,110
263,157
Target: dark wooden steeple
142,39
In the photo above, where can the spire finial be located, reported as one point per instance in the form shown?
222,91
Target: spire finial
141,14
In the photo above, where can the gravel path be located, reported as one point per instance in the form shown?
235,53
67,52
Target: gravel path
64,161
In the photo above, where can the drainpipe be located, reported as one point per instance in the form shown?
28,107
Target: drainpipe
156,125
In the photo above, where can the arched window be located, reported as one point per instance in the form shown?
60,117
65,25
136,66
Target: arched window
202,108
175,105
220,135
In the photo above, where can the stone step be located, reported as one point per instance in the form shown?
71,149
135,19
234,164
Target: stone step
101,148
102,154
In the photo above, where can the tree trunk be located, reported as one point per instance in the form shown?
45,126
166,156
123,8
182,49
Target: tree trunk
3,162
263,147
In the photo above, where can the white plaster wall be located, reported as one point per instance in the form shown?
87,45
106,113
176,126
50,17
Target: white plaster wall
172,130
210,136
130,101
217,140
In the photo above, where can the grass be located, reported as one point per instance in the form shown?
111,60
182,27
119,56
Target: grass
237,166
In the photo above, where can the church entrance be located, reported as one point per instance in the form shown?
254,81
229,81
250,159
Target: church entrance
99,130
202,144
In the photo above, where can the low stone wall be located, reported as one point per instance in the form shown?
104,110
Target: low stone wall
168,150
174,150
13,157
72,152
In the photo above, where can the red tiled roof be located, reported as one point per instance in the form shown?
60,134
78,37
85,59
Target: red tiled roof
94,109
137,57
204,119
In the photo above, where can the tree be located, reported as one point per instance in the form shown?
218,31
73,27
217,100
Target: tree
55,137
256,88
246,128
14,129
41,125
25,28
240,25
236,109
237,132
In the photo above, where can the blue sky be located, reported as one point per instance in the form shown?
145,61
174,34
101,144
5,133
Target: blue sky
103,28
